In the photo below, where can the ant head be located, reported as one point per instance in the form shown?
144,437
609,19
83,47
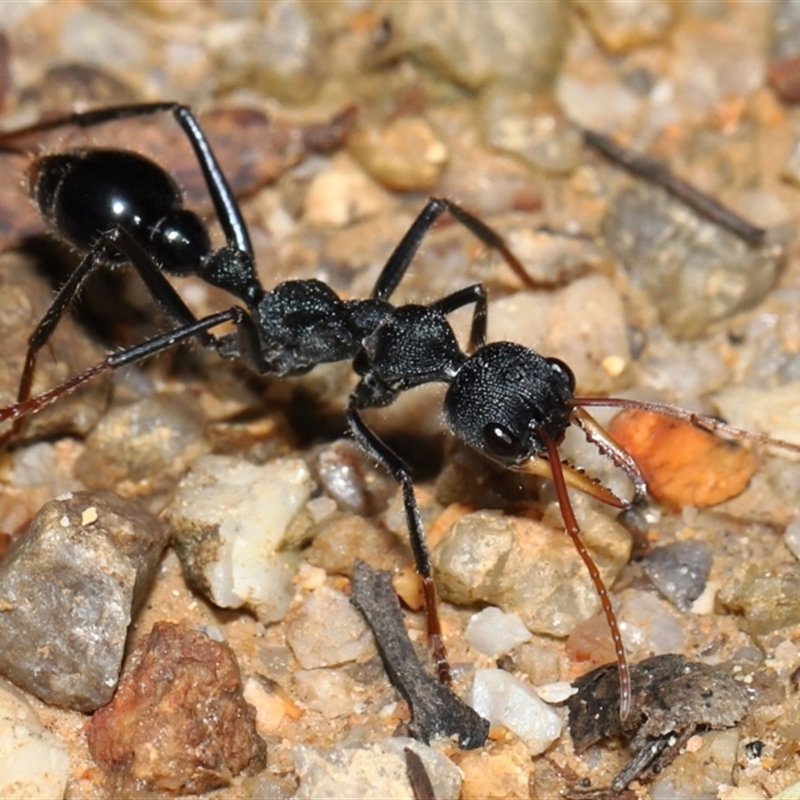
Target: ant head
503,395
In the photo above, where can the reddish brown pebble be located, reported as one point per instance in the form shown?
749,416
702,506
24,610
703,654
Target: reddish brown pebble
683,466
178,722
784,77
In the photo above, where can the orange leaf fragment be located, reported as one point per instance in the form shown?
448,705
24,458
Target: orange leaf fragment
683,465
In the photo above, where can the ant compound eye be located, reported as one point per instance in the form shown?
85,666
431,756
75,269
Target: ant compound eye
559,366
501,443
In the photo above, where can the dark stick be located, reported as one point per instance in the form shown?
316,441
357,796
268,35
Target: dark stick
435,710
653,171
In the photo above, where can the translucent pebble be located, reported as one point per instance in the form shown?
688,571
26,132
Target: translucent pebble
33,761
506,700
646,623
494,633
792,537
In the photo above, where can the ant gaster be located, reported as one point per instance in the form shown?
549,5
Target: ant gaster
504,400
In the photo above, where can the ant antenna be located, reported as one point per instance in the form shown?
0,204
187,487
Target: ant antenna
701,421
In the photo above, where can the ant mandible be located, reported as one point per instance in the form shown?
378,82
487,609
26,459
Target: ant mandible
503,399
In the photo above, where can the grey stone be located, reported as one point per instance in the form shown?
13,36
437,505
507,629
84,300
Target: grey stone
475,44
68,591
530,568
693,271
680,570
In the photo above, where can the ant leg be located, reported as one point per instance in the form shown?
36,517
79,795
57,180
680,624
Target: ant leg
225,205
401,257
494,241
471,294
574,531
197,329
160,288
372,444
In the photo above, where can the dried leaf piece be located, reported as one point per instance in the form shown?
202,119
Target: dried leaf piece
673,698
683,465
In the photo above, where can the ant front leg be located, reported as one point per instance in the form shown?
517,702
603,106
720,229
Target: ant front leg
375,447
471,294
160,288
198,329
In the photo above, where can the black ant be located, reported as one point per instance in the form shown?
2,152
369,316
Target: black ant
506,401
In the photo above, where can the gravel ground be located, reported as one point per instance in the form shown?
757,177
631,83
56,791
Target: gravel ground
334,122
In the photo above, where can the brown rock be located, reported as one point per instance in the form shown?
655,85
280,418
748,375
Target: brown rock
178,721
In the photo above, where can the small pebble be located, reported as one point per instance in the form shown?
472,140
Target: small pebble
329,691
680,570
327,630
694,271
556,692
281,55
343,194
506,700
516,123
622,25
527,567
352,479
376,770
649,626
342,538
269,706
65,642
33,761
597,103
103,40
765,599
539,664
405,155
476,44
494,633
230,520
178,722
139,442
500,771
